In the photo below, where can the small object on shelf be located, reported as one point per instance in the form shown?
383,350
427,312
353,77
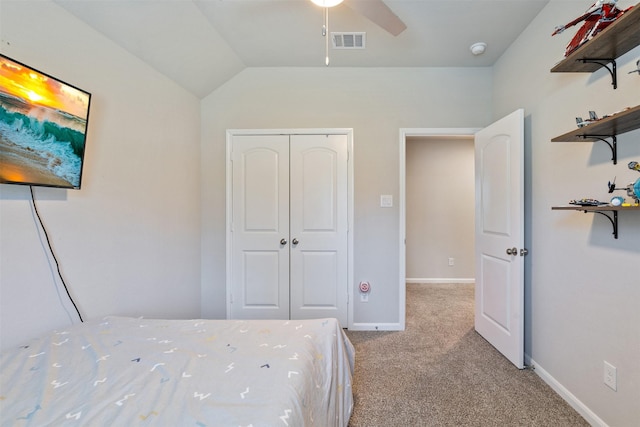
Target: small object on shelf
617,201
598,17
638,68
587,202
592,118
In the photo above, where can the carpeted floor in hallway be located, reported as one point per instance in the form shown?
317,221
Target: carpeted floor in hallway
440,372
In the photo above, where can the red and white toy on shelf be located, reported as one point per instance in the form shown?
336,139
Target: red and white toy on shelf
598,17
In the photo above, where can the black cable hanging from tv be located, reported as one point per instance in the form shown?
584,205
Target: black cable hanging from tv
46,235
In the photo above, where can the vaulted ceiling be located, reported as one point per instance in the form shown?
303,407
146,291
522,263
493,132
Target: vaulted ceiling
200,44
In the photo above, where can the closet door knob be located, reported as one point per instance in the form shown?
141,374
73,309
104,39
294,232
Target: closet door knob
283,242
295,241
512,251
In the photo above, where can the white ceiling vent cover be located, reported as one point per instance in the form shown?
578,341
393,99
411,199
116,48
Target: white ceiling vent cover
348,40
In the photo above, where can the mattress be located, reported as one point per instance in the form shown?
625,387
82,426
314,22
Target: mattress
129,371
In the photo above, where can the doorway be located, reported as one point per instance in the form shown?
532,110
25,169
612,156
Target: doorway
405,135
440,194
499,230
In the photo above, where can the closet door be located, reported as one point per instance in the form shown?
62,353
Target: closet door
289,227
260,227
318,226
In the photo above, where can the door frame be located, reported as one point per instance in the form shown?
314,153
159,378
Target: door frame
404,133
348,132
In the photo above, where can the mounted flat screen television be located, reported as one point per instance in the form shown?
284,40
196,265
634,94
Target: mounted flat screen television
43,127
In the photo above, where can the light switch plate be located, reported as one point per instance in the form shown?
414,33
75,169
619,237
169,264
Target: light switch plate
386,201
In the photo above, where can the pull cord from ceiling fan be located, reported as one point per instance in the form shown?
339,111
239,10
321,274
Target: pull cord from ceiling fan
325,34
326,4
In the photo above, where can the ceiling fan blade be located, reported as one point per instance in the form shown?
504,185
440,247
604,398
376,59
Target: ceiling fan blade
379,13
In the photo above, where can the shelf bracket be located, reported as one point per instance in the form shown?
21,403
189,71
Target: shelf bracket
613,145
604,64
613,220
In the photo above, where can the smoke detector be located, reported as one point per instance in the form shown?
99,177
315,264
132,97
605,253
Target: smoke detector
478,48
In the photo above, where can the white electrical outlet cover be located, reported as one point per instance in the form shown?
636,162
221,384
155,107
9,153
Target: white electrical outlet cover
610,376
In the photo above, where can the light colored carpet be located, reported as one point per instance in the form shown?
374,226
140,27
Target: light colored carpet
440,372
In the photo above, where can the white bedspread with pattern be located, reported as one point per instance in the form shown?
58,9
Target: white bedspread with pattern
135,372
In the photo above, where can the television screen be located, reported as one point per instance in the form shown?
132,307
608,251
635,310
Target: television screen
43,127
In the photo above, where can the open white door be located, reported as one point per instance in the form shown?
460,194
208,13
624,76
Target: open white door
499,298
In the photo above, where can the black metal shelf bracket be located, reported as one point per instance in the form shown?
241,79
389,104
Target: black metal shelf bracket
604,64
613,145
613,220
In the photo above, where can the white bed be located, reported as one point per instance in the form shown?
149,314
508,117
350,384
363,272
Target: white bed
128,372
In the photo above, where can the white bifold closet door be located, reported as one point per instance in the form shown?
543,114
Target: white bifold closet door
289,229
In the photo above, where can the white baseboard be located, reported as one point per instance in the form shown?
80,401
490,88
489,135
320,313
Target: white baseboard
436,280
376,327
572,400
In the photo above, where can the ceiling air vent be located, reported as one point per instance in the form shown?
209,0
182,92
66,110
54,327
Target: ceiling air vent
348,40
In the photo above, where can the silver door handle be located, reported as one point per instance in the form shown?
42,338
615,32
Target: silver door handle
512,251
524,252
295,241
283,241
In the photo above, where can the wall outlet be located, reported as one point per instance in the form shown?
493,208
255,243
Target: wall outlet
451,261
610,376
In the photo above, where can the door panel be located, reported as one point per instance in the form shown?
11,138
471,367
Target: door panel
499,308
319,270
318,189
261,279
495,295
319,225
495,189
260,263
262,190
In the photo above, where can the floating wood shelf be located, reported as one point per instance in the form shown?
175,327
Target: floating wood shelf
613,42
609,127
602,210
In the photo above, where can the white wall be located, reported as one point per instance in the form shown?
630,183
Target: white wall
376,103
128,241
440,193
583,290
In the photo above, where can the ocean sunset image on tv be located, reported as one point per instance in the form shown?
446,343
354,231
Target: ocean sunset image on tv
43,126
